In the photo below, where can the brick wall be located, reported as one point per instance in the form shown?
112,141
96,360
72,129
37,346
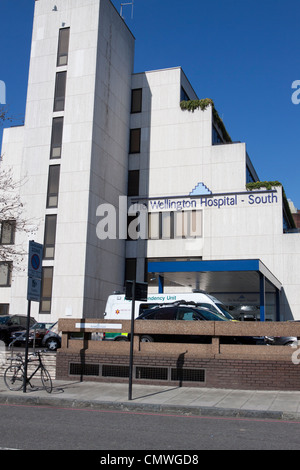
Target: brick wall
243,374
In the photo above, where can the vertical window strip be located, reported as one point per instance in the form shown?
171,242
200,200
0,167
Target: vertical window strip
53,186
60,91
63,46
49,236
56,138
46,295
170,225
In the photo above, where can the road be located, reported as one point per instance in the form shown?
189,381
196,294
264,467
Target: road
31,427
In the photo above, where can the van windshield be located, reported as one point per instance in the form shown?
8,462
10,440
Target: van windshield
225,311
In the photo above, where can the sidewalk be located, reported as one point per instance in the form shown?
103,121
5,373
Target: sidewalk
162,399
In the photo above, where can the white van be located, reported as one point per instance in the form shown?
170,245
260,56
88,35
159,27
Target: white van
118,308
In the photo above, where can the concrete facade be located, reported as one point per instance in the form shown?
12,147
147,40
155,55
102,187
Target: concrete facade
182,158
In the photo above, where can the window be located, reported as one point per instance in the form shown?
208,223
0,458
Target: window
49,237
4,309
5,273
60,90
170,225
154,226
53,185
167,225
135,141
166,313
56,139
183,95
133,183
130,269
188,224
216,138
136,100
63,46
7,232
46,295
186,314
249,177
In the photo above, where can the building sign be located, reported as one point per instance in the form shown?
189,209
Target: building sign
205,199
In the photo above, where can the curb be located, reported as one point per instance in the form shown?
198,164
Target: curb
202,411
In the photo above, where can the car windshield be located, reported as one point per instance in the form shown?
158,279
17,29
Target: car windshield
4,319
212,316
41,325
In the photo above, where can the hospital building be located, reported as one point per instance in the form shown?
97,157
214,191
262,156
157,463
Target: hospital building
134,176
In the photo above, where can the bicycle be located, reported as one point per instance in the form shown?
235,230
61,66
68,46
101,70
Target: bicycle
14,374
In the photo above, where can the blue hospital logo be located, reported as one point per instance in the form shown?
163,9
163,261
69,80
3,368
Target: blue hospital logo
200,190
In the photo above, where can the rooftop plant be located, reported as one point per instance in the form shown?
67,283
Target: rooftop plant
192,105
269,185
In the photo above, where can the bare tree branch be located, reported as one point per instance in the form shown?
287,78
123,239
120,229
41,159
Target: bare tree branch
12,219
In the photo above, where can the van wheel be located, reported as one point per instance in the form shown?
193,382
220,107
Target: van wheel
121,338
147,339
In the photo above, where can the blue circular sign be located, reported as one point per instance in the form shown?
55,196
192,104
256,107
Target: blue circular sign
35,261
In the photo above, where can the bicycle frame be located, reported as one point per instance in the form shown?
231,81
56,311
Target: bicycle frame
16,372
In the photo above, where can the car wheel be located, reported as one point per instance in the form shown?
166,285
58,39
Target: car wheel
52,344
147,339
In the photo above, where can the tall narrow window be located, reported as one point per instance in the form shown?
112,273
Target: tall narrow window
63,46
49,237
7,232
181,224
154,226
46,295
195,229
60,91
5,274
167,225
135,141
4,309
136,100
130,269
53,186
133,182
56,139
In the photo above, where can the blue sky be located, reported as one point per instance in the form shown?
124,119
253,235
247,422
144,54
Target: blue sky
243,54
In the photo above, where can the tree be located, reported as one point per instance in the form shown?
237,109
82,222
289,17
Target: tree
12,219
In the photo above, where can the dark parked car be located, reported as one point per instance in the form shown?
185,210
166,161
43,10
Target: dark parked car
179,312
52,338
9,324
36,334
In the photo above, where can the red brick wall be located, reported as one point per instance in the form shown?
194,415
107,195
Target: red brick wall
240,374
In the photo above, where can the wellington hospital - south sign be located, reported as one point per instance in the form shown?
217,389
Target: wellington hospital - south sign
205,199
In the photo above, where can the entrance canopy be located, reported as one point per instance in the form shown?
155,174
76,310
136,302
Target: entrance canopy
226,276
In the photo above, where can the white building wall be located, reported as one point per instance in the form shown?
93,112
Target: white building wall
93,163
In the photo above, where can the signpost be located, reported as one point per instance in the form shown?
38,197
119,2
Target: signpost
35,256
134,291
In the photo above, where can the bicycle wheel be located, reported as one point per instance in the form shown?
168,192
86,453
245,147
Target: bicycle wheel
46,380
14,377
